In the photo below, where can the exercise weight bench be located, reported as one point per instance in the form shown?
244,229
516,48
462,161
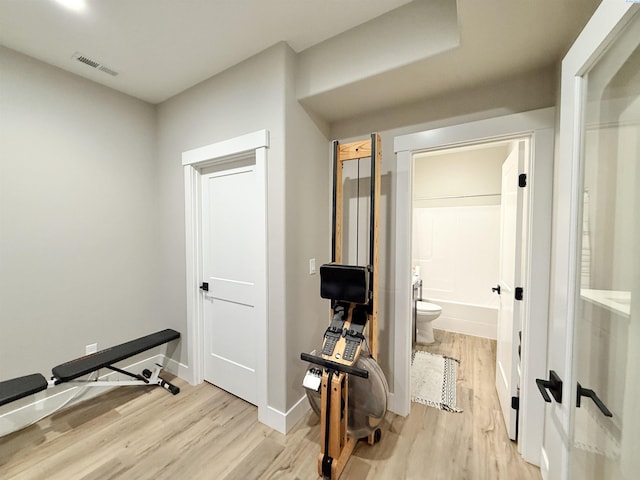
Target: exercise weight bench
17,388
70,372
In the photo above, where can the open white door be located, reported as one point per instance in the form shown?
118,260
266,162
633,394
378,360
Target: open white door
509,314
229,213
594,337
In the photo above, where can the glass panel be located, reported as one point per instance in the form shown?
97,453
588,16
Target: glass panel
608,305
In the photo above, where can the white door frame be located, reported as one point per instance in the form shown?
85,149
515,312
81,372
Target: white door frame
603,27
538,126
193,161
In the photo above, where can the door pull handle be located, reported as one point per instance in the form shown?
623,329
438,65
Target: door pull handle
496,289
554,385
586,392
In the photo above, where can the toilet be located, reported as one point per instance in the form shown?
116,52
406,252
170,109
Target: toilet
425,314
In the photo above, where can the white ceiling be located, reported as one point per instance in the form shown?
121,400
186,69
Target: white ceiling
162,47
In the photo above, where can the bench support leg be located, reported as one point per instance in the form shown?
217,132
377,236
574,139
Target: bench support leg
154,378
147,377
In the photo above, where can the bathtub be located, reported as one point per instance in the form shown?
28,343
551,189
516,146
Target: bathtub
477,320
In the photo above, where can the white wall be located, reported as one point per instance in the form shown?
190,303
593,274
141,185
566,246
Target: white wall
518,93
308,234
462,176
457,250
79,249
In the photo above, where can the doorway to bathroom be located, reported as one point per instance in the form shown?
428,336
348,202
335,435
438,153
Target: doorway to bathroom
456,234
457,217
466,249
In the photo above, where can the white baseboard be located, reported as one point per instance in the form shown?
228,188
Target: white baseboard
26,411
176,368
284,422
394,405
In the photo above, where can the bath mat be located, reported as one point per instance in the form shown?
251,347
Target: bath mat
433,380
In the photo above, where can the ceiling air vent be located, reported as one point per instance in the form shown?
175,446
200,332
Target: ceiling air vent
94,64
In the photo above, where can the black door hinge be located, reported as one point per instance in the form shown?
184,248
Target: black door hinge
522,180
520,344
519,293
515,403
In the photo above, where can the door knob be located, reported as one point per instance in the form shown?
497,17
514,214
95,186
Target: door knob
585,392
554,385
496,289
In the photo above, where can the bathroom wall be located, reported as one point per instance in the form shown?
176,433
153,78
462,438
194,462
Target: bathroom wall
456,235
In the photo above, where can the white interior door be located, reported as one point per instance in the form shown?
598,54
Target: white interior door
606,431
229,237
593,337
509,315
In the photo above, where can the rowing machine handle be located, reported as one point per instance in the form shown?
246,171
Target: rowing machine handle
358,372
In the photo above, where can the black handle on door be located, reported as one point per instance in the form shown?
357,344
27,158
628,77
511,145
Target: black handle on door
496,289
554,385
204,286
586,392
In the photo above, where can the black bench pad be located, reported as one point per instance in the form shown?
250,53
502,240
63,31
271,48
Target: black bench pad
104,358
20,387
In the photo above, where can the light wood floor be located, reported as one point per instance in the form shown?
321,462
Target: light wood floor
206,433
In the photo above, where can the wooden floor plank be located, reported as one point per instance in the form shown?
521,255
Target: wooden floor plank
204,432
257,461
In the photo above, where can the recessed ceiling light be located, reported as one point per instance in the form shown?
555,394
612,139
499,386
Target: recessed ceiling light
75,5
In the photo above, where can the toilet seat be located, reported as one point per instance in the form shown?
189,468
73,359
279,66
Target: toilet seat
426,307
